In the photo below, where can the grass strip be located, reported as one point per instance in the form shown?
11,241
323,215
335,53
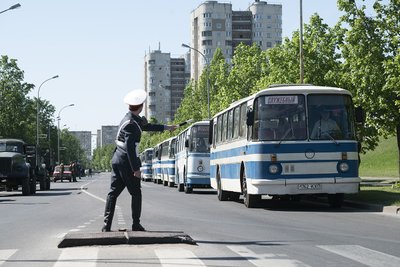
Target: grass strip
381,195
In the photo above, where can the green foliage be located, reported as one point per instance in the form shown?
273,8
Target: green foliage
73,150
370,51
17,118
102,157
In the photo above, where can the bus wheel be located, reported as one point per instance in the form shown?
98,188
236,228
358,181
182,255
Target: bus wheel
222,194
188,190
180,187
250,201
335,200
178,184
186,187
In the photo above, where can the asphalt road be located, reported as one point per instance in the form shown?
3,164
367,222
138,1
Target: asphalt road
226,233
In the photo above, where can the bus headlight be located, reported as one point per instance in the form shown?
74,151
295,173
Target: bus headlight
200,169
273,169
343,167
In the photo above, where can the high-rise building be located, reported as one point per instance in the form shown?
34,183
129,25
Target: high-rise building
85,140
165,81
106,135
216,25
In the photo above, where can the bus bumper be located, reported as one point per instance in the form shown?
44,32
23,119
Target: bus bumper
332,185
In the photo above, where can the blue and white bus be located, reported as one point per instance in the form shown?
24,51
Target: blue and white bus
167,163
146,170
156,164
277,143
192,157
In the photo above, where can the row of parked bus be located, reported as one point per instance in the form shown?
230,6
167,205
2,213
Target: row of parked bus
284,141
182,160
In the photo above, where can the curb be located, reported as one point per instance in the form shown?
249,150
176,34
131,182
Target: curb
124,238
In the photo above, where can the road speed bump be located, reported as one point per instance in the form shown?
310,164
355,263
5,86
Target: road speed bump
75,239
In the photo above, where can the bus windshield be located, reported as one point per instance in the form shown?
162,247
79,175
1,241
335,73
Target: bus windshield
148,155
199,139
11,147
330,117
280,117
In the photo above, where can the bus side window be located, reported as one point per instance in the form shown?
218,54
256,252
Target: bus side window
243,117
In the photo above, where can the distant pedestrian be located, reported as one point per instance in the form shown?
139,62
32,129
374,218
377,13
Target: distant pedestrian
73,171
62,171
125,161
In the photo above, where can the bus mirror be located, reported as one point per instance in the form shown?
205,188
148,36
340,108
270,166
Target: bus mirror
250,118
186,143
359,114
210,132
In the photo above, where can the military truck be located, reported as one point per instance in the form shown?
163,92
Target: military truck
18,167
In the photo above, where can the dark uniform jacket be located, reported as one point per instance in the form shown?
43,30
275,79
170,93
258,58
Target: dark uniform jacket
128,138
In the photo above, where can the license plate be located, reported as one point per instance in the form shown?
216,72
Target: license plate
309,186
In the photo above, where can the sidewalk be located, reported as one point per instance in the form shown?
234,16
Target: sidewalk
379,181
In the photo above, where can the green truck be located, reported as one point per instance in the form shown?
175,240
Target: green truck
18,167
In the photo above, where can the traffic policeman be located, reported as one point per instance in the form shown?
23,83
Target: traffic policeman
125,161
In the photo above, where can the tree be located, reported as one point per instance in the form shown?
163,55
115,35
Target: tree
14,104
73,150
249,65
321,58
102,157
371,65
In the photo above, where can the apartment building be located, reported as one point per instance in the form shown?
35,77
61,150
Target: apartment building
85,140
165,81
106,135
217,25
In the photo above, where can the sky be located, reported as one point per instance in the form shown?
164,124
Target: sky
97,47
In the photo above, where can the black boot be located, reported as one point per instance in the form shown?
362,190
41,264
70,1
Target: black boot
109,213
137,227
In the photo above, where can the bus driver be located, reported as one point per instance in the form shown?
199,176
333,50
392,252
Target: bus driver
325,126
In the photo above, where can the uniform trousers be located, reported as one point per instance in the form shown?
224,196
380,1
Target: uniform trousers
122,177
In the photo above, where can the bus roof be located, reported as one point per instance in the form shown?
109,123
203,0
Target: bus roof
303,89
194,124
289,89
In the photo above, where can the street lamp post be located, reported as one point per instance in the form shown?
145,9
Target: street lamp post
11,8
58,136
301,44
208,81
37,118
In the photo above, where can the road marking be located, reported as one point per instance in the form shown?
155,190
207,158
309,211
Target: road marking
267,259
177,257
72,257
363,255
90,194
5,254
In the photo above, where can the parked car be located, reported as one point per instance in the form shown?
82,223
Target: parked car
67,175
